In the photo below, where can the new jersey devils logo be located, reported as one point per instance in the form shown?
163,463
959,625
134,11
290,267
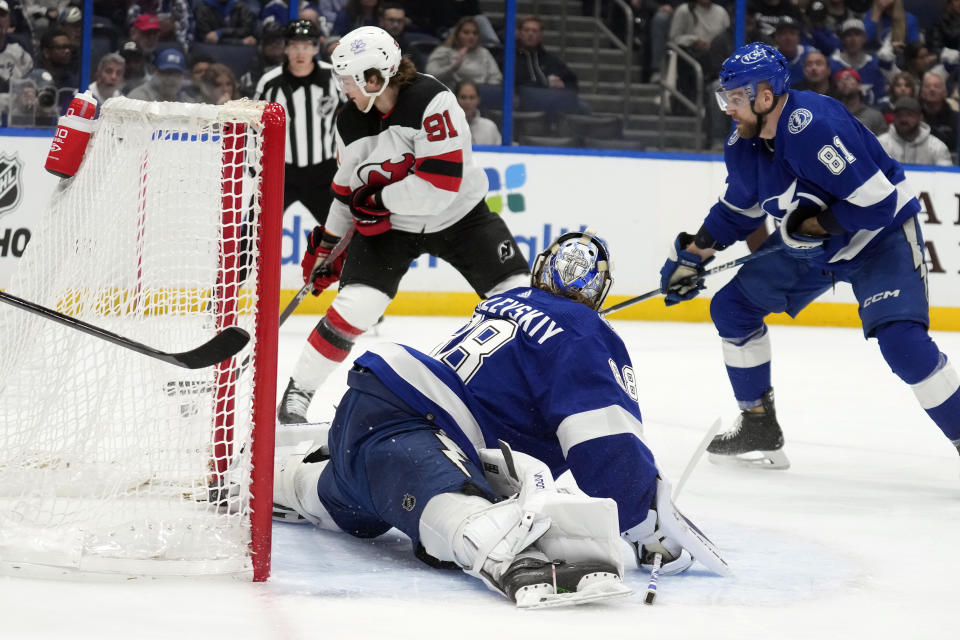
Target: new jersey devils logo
387,172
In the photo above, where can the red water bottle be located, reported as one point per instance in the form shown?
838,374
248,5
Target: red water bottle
72,135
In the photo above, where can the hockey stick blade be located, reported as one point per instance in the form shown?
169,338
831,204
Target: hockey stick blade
338,248
220,347
709,272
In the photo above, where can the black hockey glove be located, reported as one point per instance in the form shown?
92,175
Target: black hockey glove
797,244
369,214
681,277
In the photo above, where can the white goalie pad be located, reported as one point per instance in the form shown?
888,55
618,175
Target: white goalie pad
582,529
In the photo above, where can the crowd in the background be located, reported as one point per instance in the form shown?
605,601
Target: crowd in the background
215,50
881,58
893,63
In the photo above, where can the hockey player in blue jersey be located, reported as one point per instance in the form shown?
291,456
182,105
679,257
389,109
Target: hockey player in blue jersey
413,446
845,212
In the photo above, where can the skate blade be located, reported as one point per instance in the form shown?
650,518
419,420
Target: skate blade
592,588
769,460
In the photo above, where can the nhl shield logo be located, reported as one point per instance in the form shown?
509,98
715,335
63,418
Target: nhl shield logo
409,502
11,189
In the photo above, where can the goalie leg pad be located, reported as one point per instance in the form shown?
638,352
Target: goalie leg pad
297,470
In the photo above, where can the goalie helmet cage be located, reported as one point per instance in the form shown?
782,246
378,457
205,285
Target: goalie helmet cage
110,461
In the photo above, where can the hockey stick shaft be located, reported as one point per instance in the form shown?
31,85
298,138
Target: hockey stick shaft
338,248
709,272
651,595
217,349
697,454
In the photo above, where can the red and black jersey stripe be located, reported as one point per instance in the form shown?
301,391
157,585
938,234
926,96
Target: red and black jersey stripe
444,171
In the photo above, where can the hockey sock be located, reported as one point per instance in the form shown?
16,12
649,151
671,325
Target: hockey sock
916,359
329,344
748,367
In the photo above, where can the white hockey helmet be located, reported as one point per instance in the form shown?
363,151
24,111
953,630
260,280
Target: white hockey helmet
362,49
576,266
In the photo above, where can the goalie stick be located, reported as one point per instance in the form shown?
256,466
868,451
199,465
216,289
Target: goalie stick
217,349
709,272
338,248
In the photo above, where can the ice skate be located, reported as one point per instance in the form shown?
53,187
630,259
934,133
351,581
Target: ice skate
532,582
755,440
294,404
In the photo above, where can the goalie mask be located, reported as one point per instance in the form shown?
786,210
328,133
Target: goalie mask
576,266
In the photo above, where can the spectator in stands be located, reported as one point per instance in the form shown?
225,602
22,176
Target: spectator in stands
659,15
33,101
269,56
393,20
903,85
823,33
917,60
357,13
56,56
850,93
145,31
219,85
787,38
816,75
311,13
943,37
852,55
767,14
438,18
15,62
135,69
167,83
174,17
888,26
534,65
71,23
482,130
225,21
909,140
700,28
108,80
937,112
330,8
462,57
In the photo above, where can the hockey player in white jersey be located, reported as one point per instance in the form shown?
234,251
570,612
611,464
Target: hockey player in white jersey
539,370
845,212
407,181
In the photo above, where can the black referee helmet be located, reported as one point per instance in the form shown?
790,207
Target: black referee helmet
303,30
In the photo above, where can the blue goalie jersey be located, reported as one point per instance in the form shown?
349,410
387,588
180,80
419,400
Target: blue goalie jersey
557,383
824,158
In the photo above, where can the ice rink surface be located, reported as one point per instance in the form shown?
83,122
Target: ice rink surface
860,538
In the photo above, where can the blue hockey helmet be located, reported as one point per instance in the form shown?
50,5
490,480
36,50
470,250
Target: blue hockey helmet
749,65
577,266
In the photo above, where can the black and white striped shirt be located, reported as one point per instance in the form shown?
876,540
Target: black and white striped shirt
311,104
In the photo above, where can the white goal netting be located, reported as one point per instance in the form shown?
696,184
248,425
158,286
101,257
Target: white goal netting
111,460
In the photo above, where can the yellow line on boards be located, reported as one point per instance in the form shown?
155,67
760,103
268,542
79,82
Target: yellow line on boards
818,314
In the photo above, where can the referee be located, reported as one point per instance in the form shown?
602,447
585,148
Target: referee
307,90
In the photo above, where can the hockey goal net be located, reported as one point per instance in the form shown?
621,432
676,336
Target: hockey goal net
111,461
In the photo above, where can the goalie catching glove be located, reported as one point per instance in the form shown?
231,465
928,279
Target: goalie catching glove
681,277
319,245
370,215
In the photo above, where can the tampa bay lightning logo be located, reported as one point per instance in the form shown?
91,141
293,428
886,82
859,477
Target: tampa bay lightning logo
732,140
790,200
799,120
